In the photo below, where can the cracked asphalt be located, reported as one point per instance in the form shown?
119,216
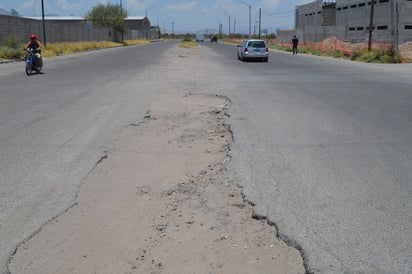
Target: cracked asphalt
321,146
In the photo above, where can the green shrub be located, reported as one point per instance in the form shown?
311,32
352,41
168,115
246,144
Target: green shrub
280,47
398,58
237,36
11,48
336,54
369,56
309,50
187,38
13,42
10,53
377,56
387,59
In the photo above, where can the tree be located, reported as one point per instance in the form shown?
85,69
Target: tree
14,12
109,15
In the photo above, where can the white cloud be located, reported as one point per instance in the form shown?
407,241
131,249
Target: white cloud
183,6
224,4
27,5
68,6
63,4
135,5
206,9
270,2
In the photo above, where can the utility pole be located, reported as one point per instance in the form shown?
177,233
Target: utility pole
234,26
229,26
371,26
395,25
121,14
250,20
44,23
173,29
260,20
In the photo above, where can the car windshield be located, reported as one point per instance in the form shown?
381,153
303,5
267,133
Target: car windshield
257,44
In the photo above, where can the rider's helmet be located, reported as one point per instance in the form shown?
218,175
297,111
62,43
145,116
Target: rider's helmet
32,36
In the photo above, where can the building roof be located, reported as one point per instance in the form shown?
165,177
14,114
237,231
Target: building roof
54,17
74,18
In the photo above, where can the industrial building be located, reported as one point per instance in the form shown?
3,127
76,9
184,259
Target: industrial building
349,20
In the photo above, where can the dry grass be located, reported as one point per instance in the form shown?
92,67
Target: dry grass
406,50
381,52
135,42
188,44
54,49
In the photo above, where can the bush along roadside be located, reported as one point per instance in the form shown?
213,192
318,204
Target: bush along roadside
12,48
332,47
377,56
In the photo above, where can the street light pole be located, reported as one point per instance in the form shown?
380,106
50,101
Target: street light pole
228,32
250,17
147,30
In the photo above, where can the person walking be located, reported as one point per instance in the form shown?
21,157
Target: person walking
295,42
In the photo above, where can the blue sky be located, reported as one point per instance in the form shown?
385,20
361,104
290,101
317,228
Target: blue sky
186,15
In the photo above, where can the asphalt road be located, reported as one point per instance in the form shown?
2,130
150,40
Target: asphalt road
323,148
56,126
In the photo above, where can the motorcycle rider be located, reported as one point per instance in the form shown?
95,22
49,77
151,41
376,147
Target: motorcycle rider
36,45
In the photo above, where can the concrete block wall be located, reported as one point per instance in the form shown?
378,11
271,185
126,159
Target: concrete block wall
56,31
404,8
285,36
392,20
354,15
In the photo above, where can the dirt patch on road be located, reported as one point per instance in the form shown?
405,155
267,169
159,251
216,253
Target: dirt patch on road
158,203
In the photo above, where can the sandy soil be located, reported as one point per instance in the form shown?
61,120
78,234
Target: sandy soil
159,201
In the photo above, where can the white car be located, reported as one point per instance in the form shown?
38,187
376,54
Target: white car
253,49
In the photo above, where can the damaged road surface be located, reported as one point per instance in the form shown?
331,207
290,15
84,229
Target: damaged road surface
189,161
159,200
159,203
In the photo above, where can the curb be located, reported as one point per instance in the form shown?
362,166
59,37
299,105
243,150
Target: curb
6,61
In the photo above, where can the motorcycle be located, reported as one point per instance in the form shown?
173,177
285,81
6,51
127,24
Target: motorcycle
32,62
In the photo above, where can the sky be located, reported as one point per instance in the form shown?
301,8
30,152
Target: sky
182,15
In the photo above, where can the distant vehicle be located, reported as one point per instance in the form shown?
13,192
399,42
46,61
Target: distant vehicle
213,39
200,37
253,49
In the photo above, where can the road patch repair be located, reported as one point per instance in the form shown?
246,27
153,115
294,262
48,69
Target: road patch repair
158,202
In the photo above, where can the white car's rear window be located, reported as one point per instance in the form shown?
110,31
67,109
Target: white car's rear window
257,44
